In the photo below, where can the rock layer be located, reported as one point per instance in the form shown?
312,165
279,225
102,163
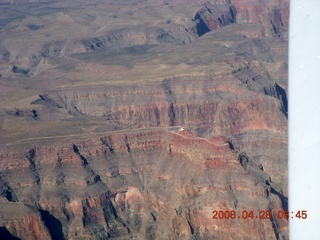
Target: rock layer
142,185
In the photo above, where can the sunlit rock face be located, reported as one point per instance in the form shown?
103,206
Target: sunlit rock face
143,120
144,184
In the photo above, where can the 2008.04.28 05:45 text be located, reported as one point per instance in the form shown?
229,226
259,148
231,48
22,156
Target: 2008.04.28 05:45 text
262,214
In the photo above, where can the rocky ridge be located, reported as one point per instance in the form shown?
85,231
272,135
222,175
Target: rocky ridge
266,18
116,186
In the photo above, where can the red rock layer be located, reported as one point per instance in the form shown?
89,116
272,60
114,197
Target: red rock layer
117,186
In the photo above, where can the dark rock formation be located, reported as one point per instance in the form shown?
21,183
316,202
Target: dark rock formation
212,17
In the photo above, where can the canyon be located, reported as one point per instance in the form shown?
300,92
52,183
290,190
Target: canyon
139,120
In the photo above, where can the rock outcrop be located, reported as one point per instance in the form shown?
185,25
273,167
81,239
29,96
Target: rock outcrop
149,184
213,16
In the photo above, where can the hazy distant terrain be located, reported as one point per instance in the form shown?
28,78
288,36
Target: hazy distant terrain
89,91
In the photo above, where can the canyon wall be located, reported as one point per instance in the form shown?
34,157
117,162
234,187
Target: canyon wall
150,184
143,120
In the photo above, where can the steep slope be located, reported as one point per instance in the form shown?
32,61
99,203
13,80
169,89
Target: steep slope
150,184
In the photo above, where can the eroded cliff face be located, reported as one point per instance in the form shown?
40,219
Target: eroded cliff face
144,119
161,184
196,103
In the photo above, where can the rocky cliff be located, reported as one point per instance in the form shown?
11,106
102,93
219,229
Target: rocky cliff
139,120
145,184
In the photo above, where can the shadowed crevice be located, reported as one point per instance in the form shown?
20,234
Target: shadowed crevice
282,95
172,115
127,143
83,159
6,191
275,228
53,224
6,235
201,26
